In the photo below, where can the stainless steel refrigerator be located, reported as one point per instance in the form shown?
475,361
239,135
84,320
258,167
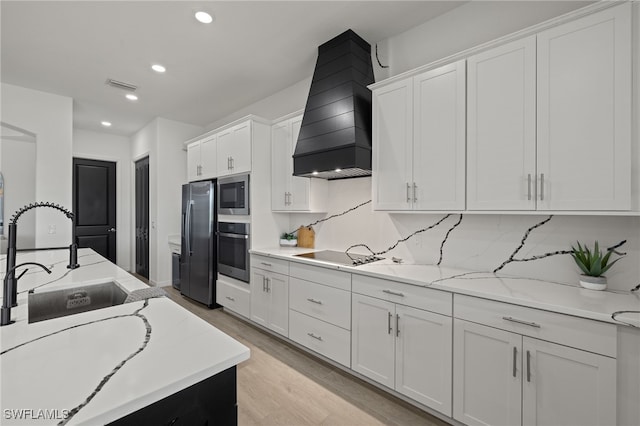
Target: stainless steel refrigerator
199,263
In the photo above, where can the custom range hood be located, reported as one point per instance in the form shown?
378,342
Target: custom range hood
335,136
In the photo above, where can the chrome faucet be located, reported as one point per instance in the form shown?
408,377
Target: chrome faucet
7,303
10,281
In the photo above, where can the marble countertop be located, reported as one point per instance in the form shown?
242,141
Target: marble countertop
554,297
101,365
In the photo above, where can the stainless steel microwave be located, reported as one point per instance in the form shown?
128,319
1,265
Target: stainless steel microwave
233,195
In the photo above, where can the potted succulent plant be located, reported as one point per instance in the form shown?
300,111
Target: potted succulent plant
594,263
288,239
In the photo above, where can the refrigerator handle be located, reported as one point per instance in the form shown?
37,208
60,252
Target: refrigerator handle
187,227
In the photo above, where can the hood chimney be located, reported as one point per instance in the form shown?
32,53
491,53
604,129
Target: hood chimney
335,136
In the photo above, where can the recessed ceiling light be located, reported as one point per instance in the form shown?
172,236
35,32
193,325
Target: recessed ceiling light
106,123
158,68
338,170
131,97
204,17
315,172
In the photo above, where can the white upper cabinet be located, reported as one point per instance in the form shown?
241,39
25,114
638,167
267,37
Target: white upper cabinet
439,138
288,192
234,150
418,141
584,113
201,159
501,127
392,146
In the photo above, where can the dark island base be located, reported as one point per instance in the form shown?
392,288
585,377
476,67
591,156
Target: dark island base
212,401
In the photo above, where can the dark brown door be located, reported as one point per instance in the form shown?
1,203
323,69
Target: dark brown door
94,204
142,217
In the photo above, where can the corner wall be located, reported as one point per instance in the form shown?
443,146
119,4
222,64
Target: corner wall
107,147
50,118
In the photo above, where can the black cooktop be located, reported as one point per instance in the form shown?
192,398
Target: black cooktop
340,257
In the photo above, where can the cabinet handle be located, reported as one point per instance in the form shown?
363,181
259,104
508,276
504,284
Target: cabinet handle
317,302
389,329
529,187
264,284
415,198
397,325
515,357
530,324
268,285
395,293
314,336
541,186
528,366
231,298
232,165
265,264
408,193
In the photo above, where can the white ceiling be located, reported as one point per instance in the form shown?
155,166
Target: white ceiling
250,51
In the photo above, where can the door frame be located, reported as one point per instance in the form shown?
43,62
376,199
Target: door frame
132,216
119,188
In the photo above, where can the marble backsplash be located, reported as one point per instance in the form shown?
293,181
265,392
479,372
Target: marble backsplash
479,242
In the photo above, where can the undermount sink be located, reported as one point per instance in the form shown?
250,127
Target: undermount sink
59,303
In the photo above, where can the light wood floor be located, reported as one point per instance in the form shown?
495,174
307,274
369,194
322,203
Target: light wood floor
282,385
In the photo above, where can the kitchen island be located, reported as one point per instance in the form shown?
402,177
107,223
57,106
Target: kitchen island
103,365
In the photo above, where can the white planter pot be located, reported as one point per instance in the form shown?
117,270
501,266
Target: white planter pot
288,243
593,283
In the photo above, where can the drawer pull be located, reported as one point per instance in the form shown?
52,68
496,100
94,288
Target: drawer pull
317,302
530,324
230,298
314,336
265,264
515,357
395,293
528,366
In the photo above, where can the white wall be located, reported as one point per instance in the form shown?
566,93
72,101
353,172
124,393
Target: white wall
171,174
50,118
162,141
467,26
108,147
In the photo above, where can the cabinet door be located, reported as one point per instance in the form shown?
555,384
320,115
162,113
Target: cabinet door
393,146
278,289
240,149
439,138
501,127
584,110
259,297
486,375
566,386
280,157
193,161
300,186
208,156
372,338
423,357
224,148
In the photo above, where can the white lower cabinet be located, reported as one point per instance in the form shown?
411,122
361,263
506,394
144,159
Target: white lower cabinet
403,348
270,300
236,298
503,377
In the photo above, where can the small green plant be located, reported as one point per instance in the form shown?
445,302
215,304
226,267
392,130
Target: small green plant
594,262
288,236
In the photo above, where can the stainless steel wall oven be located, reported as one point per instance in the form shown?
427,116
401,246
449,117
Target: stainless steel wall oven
233,250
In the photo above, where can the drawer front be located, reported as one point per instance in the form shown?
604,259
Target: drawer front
581,333
318,274
234,298
270,264
325,339
319,301
404,294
